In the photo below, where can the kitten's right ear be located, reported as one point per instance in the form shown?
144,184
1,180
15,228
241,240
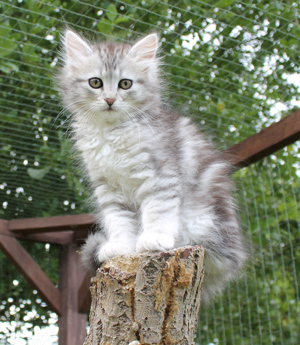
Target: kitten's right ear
146,48
75,46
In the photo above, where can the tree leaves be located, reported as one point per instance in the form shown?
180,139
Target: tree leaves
8,44
106,26
8,67
38,174
111,12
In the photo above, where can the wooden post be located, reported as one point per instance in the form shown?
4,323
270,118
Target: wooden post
71,323
151,298
30,270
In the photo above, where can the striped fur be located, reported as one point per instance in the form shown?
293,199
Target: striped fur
157,183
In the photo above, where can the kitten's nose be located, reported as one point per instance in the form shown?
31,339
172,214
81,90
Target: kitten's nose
110,101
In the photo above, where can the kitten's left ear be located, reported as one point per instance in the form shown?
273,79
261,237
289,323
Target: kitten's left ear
75,45
146,48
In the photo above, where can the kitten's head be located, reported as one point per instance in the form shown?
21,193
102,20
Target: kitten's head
109,82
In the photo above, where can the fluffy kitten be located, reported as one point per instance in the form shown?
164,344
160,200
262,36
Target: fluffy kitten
158,184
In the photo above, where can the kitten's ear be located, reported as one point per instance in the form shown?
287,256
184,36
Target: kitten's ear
75,45
146,48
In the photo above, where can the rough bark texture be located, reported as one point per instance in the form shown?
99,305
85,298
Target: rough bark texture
151,298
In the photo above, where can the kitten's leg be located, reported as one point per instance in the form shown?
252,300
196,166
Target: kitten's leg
160,222
119,224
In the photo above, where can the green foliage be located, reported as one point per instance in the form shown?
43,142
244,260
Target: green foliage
227,64
19,303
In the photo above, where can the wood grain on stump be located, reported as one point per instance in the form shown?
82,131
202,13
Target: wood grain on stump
150,298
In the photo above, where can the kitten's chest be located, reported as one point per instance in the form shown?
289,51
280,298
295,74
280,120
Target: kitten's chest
115,156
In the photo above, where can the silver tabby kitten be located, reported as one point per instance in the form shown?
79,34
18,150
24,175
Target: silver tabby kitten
158,184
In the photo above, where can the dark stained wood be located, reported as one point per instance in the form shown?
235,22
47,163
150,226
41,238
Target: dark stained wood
266,142
3,226
31,272
61,238
84,295
77,222
58,238
80,236
71,323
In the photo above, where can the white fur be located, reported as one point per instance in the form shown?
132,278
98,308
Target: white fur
158,184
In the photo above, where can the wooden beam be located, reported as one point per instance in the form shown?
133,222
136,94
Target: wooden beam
71,323
80,236
3,226
31,272
84,295
266,142
77,222
58,238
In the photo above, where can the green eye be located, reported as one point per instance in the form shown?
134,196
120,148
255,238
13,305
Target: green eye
95,83
125,84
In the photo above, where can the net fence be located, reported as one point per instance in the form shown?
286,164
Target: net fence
231,65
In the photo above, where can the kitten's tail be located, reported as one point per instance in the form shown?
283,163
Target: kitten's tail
219,270
89,250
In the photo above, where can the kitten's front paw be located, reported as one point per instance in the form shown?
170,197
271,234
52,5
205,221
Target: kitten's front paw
155,242
112,249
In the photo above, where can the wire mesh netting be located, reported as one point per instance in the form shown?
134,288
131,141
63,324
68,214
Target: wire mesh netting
231,65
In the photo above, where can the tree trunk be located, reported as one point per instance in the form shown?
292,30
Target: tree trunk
150,298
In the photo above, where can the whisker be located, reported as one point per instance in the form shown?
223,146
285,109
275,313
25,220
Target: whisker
64,109
136,123
146,118
82,108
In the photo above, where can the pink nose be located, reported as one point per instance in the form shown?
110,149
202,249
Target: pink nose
110,101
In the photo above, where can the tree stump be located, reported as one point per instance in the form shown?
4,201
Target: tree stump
149,298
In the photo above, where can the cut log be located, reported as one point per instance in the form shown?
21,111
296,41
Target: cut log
150,298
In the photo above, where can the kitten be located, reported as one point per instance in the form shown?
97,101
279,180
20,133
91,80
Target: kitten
158,184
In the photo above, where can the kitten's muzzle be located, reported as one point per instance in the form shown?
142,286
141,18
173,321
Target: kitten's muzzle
110,101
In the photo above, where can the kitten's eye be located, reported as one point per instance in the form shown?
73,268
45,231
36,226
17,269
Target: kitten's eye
95,83
125,84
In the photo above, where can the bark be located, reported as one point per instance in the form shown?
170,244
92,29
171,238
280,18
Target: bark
150,298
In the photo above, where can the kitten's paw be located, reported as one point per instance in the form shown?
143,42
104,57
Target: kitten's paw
155,242
112,249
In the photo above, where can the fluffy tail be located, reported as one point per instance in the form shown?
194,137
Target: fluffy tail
89,250
219,271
